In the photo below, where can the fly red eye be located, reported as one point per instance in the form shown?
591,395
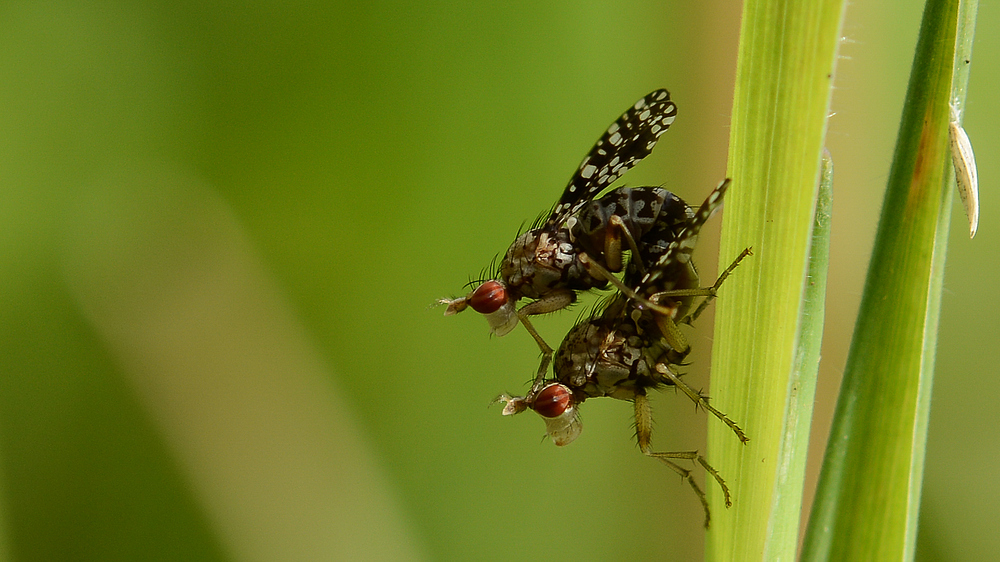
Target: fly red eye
488,297
553,401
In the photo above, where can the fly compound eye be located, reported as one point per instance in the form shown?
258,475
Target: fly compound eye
488,297
562,422
553,401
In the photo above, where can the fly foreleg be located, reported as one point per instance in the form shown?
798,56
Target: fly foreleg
555,300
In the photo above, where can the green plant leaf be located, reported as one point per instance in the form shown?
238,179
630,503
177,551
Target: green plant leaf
869,492
760,374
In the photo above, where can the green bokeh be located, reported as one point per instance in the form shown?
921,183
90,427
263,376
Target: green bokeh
374,157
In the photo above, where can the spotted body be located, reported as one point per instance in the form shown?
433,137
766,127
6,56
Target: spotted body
655,216
615,351
549,263
627,347
541,262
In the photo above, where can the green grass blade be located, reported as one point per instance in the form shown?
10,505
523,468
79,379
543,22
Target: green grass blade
869,493
783,530
783,86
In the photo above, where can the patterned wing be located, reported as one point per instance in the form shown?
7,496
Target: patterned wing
628,140
678,253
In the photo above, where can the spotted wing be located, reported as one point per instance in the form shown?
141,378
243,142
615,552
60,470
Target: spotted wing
678,253
628,140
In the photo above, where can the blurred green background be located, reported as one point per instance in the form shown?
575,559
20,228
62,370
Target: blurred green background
222,226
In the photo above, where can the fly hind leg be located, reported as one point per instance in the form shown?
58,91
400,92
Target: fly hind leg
616,231
643,433
714,289
700,400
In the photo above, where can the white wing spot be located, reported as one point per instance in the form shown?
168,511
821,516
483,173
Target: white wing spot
588,171
615,139
644,115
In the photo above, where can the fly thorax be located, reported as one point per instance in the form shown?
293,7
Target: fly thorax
608,367
567,250
555,251
518,264
576,357
543,268
622,347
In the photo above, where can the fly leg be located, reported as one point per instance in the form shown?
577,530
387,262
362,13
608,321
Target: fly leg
664,316
708,292
700,400
666,323
595,267
713,290
644,433
672,334
613,246
555,300
615,232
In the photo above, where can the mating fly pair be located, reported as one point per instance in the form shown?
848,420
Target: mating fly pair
632,343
